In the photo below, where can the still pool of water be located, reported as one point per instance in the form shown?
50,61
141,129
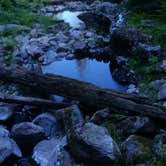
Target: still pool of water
85,70
70,18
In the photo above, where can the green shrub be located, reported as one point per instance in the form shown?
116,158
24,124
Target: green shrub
143,5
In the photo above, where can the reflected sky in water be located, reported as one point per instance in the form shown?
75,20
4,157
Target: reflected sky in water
86,70
70,18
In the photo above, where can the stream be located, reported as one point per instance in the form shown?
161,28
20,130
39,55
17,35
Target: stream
87,70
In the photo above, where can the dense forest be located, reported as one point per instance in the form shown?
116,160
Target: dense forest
82,83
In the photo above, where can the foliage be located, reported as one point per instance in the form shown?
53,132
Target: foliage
143,5
22,12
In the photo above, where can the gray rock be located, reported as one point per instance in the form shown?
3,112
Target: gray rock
156,85
71,115
51,153
137,125
8,147
132,89
162,93
49,57
159,147
27,134
3,132
137,149
50,124
96,21
6,112
90,142
146,51
163,65
124,39
100,115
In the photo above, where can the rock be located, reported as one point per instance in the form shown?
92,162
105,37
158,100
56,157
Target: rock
27,134
163,65
162,92
24,162
8,148
137,149
71,115
92,143
51,153
156,85
49,57
3,131
124,75
146,51
96,21
50,124
100,115
159,147
137,125
6,112
124,39
132,89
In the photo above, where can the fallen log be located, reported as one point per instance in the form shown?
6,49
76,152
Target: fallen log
32,101
88,94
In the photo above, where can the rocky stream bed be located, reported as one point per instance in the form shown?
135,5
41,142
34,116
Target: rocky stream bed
90,42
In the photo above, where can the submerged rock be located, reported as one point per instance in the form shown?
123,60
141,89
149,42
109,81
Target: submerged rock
92,143
137,149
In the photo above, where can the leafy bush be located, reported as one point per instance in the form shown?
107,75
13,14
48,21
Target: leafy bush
143,5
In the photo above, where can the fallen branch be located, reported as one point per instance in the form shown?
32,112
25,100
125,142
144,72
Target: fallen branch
32,101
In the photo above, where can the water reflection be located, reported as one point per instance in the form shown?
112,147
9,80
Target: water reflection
86,70
70,18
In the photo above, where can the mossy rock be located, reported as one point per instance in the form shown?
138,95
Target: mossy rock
137,149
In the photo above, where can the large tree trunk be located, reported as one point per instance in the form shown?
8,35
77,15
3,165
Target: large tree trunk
88,94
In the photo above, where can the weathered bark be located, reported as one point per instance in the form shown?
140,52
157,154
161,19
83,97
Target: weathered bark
88,94
33,101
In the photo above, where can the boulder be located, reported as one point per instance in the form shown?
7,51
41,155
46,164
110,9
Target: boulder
50,124
137,125
8,147
147,51
163,66
51,153
125,39
90,142
96,21
159,146
27,134
162,92
6,111
124,75
137,149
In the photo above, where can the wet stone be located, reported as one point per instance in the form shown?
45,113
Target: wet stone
27,134
51,126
